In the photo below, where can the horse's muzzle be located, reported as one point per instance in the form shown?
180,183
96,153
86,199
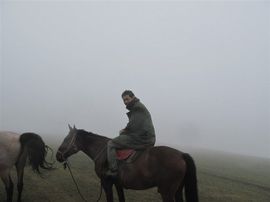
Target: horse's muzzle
60,157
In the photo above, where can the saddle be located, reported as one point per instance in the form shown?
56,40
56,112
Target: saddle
127,155
123,154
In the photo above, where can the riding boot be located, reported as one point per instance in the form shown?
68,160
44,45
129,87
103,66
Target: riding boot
112,162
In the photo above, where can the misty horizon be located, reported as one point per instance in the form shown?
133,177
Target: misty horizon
201,68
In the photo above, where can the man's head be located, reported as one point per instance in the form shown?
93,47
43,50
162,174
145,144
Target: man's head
127,96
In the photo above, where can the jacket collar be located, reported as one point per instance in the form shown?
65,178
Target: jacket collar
132,104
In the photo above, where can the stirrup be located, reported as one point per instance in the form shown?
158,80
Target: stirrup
112,173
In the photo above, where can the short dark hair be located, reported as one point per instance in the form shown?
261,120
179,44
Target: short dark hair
128,92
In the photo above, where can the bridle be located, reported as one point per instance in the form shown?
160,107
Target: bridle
66,164
70,145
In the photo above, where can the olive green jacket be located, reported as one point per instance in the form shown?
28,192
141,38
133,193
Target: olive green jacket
139,132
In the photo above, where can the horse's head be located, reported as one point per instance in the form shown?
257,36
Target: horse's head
69,146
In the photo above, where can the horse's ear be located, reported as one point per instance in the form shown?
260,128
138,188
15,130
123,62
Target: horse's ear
70,128
74,127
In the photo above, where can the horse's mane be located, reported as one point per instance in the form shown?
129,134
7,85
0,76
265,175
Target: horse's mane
90,135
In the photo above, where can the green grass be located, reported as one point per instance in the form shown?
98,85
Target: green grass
224,177
221,177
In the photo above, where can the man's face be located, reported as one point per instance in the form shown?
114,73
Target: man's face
127,99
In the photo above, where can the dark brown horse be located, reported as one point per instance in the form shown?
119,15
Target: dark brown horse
163,167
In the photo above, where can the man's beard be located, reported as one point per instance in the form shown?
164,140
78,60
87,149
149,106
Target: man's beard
131,104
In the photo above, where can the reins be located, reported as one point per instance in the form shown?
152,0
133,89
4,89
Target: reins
67,165
99,153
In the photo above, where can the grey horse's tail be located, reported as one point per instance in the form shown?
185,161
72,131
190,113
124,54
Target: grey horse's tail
36,150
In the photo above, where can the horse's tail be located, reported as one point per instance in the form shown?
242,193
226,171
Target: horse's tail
190,181
36,150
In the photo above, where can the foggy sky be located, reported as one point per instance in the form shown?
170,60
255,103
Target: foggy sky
1,64
201,68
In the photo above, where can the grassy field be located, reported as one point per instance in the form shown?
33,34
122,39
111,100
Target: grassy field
221,178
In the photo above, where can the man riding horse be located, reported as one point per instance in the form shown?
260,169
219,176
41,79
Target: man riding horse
168,169
139,132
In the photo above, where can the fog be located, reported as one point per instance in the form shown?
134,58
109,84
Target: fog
201,68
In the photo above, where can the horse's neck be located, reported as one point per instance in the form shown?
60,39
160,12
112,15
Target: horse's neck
93,147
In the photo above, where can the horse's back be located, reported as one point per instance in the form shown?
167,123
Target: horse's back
160,155
165,163
9,140
163,153
165,149
9,149
154,166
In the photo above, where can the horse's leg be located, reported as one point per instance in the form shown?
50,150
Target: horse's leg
167,197
179,195
20,170
120,192
107,186
168,192
9,186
